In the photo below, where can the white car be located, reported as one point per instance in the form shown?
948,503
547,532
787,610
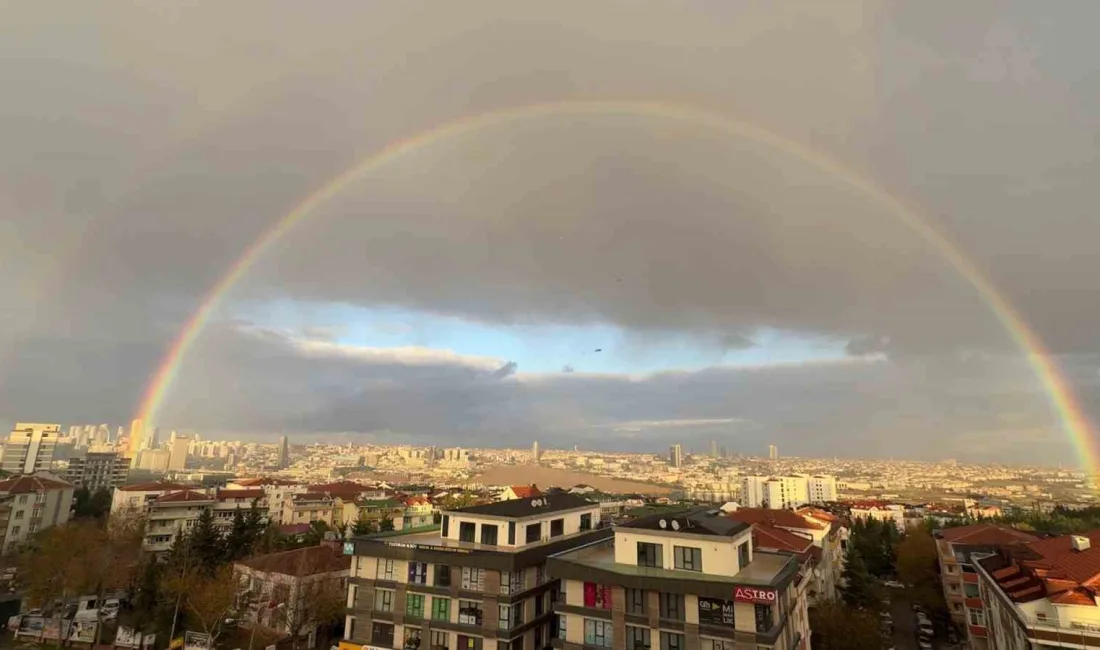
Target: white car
893,584
925,645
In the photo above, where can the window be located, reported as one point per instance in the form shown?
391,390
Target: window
418,573
635,601
469,642
688,558
414,605
533,533
385,570
466,530
557,527
23,498
672,607
442,575
596,595
412,638
469,612
977,617
489,534
446,526
540,605
649,554
511,582
971,590
597,633
511,533
586,521
441,609
672,641
383,600
439,640
382,634
538,638
637,638
18,514
473,578
715,644
743,555
765,620
504,617
517,614
561,626
540,574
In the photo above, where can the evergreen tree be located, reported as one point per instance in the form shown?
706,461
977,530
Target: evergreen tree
206,542
860,590
385,524
238,542
363,526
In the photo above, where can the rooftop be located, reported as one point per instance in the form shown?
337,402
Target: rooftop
522,508
774,517
32,483
1048,568
155,486
300,562
700,521
183,496
986,535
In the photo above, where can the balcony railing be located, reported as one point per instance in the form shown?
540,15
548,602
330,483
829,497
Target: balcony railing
1075,628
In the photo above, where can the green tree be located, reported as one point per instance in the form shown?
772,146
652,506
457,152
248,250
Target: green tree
240,538
363,526
317,530
860,590
918,559
835,626
385,524
207,544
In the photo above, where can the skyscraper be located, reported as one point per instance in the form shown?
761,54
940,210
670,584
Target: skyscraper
535,451
676,455
284,453
773,452
714,449
177,455
29,448
137,436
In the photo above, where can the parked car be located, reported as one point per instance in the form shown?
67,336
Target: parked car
925,644
893,584
924,628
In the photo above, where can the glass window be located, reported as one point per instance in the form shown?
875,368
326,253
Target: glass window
489,534
469,642
688,558
977,617
469,612
649,554
672,606
533,533
716,644
446,526
635,601
511,582
672,641
418,573
597,595
597,633
412,638
466,531
517,614
562,618
743,555
441,609
473,578
557,527
442,575
382,634
383,600
414,605
764,618
971,590
440,640
385,570
504,617
637,638
586,521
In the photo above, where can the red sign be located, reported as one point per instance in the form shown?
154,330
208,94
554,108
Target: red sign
750,595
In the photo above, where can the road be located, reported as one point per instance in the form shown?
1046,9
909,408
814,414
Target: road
905,623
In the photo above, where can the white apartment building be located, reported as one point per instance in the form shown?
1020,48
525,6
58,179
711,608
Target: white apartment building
786,492
136,498
822,488
34,502
879,510
29,448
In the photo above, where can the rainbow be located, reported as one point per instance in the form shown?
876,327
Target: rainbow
1074,421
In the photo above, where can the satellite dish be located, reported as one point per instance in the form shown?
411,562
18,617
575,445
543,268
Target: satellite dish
675,525
663,523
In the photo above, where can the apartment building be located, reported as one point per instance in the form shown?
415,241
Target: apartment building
479,582
1042,594
688,580
135,499
36,502
175,512
98,471
786,492
880,510
29,448
957,548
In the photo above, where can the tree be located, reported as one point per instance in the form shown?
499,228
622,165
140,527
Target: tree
918,559
385,524
363,526
206,542
463,499
240,539
49,568
860,590
91,505
316,534
315,598
838,627
109,557
210,596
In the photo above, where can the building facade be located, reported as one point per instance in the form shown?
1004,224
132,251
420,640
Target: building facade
686,581
98,470
478,583
29,448
37,502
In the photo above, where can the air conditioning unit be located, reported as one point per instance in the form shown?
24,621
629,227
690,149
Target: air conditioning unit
1080,542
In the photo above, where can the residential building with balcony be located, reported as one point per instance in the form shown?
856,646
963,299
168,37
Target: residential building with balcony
1041,595
33,502
479,582
135,499
171,514
957,548
881,510
691,580
95,470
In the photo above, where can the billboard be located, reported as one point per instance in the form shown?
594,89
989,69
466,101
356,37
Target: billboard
196,641
754,595
715,611
129,638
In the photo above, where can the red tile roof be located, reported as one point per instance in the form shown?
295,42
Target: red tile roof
819,514
252,482
986,535
526,491
294,529
300,562
312,496
241,494
770,537
340,489
1048,568
183,496
781,518
156,486
869,504
32,483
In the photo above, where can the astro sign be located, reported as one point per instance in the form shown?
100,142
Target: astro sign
759,596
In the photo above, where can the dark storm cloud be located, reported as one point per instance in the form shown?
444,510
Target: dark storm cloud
146,149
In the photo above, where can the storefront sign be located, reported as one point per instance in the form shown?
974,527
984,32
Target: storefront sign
429,547
715,611
753,595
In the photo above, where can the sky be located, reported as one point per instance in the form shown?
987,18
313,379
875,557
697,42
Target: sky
596,274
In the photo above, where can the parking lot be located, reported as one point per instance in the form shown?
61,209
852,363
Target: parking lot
905,623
